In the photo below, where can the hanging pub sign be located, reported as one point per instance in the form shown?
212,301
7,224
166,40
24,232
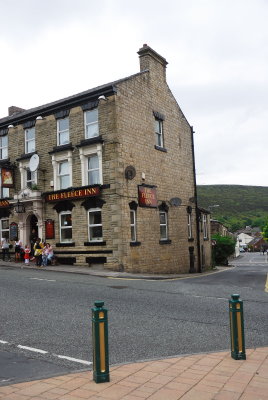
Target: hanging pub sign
13,231
147,196
4,203
73,194
7,178
50,230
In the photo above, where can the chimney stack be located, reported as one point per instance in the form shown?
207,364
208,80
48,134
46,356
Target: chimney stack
151,60
14,110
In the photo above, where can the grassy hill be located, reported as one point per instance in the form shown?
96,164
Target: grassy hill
239,205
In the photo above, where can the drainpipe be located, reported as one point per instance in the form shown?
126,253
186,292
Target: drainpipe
199,267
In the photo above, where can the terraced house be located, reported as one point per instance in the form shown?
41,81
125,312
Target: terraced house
107,176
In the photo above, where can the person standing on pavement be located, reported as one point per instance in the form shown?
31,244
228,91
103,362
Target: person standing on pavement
38,249
5,248
27,252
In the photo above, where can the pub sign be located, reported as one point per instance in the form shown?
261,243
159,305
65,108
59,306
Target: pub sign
7,178
147,196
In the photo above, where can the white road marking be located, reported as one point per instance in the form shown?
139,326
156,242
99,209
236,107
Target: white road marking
32,349
210,297
74,359
3,342
40,279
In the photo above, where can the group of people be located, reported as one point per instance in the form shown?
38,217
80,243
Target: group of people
40,252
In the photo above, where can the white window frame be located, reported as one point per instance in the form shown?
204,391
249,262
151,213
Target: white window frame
159,138
189,226
133,225
24,167
205,226
27,141
92,240
59,132
3,147
93,169
84,153
91,123
56,159
4,230
61,175
65,227
165,224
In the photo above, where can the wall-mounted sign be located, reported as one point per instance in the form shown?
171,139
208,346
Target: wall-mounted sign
7,177
13,231
147,196
130,172
73,194
4,203
50,229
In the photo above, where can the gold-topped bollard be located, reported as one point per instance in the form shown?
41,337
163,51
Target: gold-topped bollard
238,351
100,343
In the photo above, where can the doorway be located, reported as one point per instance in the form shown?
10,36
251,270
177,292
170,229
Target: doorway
32,233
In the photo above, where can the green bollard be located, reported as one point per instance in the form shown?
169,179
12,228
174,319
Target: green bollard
100,343
238,351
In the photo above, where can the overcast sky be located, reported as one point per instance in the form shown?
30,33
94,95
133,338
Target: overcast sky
218,66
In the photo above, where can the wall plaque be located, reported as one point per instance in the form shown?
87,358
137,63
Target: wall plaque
50,229
13,231
147,196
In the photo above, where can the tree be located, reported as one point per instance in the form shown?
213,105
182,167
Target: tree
223,248
265,232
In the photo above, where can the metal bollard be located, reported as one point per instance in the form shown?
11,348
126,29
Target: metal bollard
238,351
100,343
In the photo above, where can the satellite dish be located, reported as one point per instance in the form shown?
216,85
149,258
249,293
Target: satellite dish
175,201
34,162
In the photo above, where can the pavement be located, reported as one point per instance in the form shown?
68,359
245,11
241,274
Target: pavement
194,377
101,272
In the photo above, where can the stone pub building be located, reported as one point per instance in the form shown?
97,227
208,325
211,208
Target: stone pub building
106,176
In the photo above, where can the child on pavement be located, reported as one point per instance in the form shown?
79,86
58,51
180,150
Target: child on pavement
26,254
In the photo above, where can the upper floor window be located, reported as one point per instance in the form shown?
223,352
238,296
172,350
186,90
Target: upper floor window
163,225
94,225
63,174
66,228
31,178
91,123
30,140
159,132
63,131
3,147
91,164
93,169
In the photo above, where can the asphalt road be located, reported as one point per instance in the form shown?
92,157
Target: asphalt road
50,313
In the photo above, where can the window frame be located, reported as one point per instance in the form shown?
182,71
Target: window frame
93,169
133,226
90,239
205,226
159,133
4,230
165,224
84,153
56,159
59,132
86,124
189,226
65,227
27,141
61,175
3,147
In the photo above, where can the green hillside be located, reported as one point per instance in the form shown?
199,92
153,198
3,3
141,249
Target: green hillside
239,206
